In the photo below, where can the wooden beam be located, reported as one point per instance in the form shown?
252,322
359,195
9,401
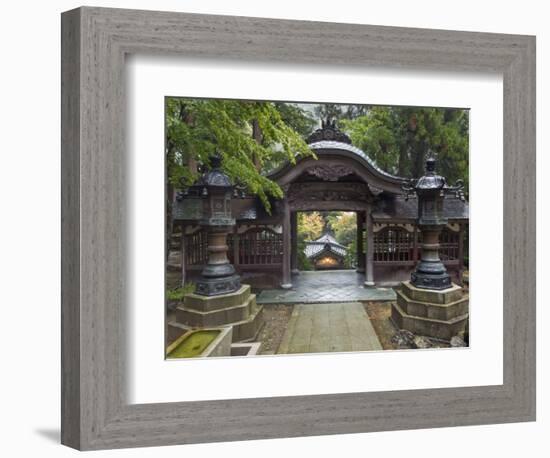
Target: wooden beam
294,243
369,271
287,279
360,228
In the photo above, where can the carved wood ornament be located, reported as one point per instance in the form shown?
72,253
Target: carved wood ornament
329,172
307,196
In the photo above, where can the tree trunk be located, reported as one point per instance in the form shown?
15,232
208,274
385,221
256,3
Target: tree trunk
402,165
419,158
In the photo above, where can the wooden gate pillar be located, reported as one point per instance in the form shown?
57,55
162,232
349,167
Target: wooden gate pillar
294,242
369,257
287,248
360,255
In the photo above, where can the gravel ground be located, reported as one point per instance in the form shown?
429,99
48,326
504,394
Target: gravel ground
379,314
276,319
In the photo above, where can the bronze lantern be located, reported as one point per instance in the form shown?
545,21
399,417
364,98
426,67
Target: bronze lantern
215,190
430,189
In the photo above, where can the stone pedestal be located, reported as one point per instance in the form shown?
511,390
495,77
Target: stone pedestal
440,314
238,310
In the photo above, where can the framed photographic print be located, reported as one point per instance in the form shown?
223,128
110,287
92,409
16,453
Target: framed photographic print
287,228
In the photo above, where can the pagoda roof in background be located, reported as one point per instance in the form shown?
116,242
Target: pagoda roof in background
325,243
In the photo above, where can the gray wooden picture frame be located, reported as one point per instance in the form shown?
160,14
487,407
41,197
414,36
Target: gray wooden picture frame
95,413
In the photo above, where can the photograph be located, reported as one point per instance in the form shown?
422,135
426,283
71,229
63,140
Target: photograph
275,229
299,228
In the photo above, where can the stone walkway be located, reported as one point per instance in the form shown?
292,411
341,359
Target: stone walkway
323,328
326,286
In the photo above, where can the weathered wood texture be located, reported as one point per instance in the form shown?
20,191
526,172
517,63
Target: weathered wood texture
359,234
287,247
369,252
95,411
70,229
294,242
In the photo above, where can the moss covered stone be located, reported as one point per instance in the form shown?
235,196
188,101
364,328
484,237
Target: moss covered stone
192,344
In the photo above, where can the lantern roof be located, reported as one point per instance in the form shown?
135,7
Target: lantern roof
215,176
430,180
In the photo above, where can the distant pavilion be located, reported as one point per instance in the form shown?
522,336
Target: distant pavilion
326,253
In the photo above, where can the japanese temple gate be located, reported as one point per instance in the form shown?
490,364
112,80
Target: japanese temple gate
263,247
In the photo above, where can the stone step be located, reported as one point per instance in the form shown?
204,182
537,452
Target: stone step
249,329
431,310
243,331
211,303
430,327
217,317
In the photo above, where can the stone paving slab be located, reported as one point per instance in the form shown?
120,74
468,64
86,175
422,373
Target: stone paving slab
325,328
326,287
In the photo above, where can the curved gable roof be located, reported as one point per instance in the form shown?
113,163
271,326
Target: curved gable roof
325,243
334,145
329,152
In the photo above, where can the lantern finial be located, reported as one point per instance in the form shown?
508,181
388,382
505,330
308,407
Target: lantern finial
215,160
430,164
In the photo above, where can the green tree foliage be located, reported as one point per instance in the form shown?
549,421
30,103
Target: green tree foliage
297,118
303,262
329,111
344,227
338,111
350,261
377,133
196,129
400,138
310,225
